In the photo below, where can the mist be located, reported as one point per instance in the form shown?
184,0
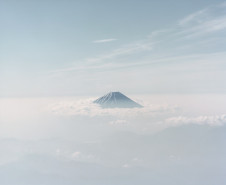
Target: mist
173,139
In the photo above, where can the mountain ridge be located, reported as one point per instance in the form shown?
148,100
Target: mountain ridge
116,100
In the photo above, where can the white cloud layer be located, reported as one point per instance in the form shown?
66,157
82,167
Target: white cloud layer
217,120
72,136
86,107
152,117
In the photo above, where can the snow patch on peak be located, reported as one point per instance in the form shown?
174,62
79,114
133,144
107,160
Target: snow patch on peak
116,100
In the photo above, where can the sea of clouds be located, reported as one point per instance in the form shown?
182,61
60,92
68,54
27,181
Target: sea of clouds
70,140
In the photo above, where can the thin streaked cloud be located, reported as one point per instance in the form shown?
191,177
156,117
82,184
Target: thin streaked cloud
192,50
205,21
104,40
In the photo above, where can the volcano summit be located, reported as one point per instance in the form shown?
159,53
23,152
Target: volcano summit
116,100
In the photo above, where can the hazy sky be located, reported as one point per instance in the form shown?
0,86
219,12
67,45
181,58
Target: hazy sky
169,56
90,47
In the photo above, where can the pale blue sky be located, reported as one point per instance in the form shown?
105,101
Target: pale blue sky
92,47
168,56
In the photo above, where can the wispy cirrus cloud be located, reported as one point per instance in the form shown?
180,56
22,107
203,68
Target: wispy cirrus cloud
123,50
196,16
183,40
208,20
104,40
102,61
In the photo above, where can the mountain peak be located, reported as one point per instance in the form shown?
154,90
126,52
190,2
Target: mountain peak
116,100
